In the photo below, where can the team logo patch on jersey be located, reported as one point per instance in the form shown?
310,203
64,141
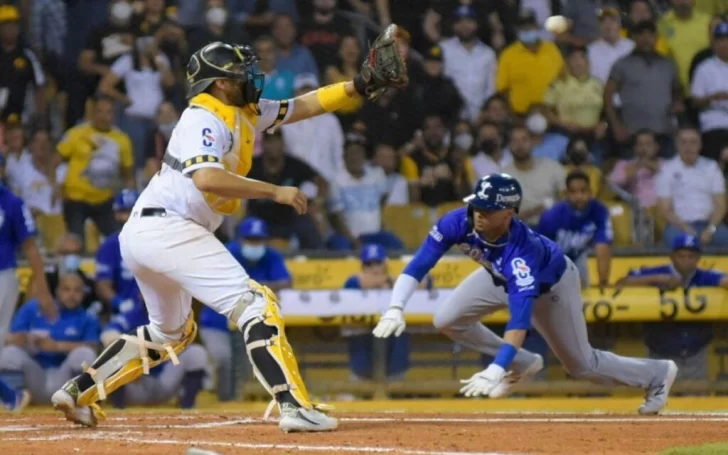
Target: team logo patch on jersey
208,140
522,272
436,234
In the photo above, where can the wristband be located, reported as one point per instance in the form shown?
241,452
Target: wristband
333,97
505,355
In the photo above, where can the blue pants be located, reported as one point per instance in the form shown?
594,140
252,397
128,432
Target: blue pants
386,239
360,355
720,238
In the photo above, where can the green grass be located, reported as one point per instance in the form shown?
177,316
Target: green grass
706,449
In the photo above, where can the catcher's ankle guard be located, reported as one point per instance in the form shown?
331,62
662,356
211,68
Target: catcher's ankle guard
128,358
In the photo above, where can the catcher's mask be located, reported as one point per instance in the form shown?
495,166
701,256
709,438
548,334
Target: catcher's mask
225,61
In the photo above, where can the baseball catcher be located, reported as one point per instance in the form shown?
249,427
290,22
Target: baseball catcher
168,242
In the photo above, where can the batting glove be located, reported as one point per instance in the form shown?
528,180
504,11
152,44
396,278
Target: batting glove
481,384
392,322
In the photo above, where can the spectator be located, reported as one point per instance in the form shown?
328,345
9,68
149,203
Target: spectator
575,100
686,343
355,203
218,26
442,97
257,17
579,224
290,56
67,259
577,159
691,193
374,275
640,11
706,53
376,10
346,67
47,36
583,23
19,71
322,32
277,167
317,141
278,84
393,117
156,145
146,74
58,348
39,185
649,90
104,46
687,33
542,179
461,55
385,157
99,158
545,144
265,265
154,24
610,46
497,111
710,94
490,156
17,156
638,176
434,178
528,66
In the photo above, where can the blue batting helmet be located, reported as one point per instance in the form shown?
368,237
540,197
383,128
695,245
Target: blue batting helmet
124,200
496,192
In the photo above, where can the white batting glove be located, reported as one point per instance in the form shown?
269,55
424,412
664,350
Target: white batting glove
392,322
481,384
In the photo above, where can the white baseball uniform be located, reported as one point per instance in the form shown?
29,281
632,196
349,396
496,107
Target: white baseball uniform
175,256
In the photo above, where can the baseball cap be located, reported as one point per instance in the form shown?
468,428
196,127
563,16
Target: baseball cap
609,12
9,13
434,53
305,80
686,241
372,252
721,30
252,228
465,11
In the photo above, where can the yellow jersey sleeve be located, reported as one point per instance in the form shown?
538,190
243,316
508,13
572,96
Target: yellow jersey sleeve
408,169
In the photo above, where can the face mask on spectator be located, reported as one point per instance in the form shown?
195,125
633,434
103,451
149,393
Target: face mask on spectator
529,36
216,16
121,11
537,123
463,141
71,262
252,253
166,128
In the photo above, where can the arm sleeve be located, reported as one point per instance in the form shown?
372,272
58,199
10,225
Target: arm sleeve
440,239
122,65
352,283
23,223
699,88
67,143
273,114
203,140
523,289
604,232
23,317
105,261
713,278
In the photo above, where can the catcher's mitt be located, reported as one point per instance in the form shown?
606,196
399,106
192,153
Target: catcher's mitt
385,66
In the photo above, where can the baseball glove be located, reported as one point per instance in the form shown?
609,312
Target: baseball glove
385,66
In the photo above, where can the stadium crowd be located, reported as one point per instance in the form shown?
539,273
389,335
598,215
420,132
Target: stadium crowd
629,106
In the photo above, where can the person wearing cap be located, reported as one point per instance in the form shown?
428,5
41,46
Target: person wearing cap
706,53
442,96
709,91
375,275
264,264
469,62
684,29
610,46
527,67
19,70
686,343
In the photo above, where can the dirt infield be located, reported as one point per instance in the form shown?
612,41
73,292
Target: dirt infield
130,433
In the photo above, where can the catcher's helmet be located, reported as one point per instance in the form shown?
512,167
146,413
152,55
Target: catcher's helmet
225,61
496,192
124,200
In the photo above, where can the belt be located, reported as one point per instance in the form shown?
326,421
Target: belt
153,211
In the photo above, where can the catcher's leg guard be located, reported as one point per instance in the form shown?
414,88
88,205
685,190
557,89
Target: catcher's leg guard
273,360
127,359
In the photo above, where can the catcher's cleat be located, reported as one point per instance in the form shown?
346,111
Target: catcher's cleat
297,419
64,400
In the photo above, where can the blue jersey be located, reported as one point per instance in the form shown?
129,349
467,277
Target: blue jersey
271,267
577,231
16,226
526,266
72,325
110,266
701,277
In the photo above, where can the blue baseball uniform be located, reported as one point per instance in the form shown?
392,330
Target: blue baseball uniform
110,266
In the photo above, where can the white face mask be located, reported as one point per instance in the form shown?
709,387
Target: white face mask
463,141
216,16
537,123
121,11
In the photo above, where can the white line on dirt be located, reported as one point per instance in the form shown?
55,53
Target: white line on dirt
103,436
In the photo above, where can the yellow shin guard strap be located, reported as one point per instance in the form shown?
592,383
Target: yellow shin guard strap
333,97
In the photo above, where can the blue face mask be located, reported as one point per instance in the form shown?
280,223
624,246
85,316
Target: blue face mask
529,36
252,253
71,262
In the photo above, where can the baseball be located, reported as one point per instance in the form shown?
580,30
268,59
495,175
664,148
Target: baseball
557,24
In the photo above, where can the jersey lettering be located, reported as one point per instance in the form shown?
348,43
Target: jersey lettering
522,272
208,140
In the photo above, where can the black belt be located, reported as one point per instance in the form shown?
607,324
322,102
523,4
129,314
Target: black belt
153,211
